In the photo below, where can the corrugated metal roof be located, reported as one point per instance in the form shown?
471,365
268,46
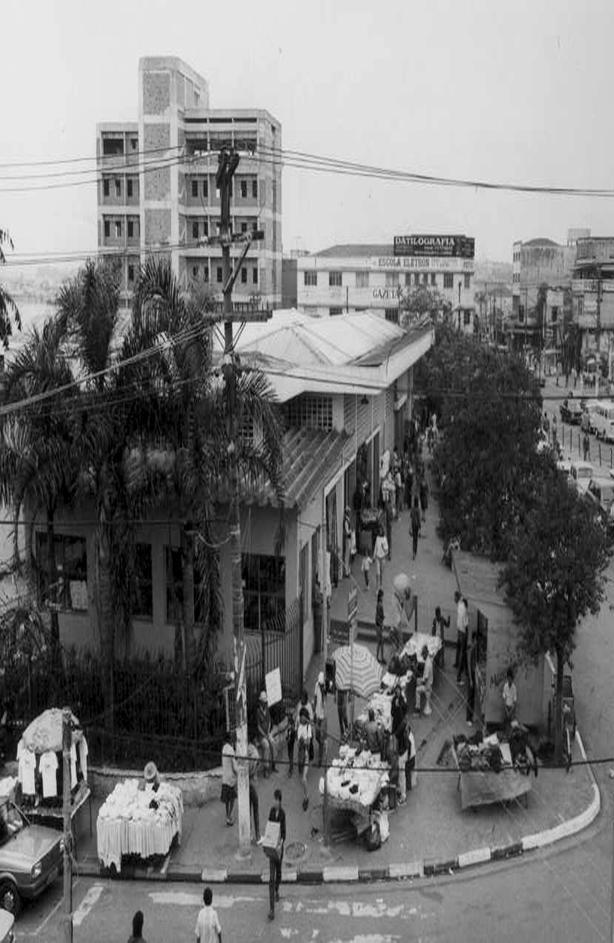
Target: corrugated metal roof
354,250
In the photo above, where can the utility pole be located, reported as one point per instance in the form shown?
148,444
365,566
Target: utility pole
228,161
66,745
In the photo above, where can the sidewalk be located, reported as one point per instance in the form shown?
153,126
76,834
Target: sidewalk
428,835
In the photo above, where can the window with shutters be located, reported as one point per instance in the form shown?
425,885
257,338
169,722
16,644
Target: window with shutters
334,279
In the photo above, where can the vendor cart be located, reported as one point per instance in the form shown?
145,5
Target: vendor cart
487,787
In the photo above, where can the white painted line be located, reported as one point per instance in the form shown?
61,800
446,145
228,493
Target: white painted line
190,899
214,875
413,869
340,873
87,904
477,856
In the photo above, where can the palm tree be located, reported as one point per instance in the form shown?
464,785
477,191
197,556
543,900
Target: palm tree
8,306
36,467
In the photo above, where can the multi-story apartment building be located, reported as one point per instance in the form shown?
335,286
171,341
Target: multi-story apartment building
157,191
593,292
375,277
541,279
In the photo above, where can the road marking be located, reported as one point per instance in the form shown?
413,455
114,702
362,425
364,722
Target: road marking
87,904
51,913
186,899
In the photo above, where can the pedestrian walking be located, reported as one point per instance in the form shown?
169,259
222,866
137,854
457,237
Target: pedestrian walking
410,766
208,928
267,744
380,553
365,566
342,713
472,655
402,738
253,764
510,698
389,513
276,814
229,777
319,713
347,541
424,497
137,928
304,739
462,621
379,626
290,741
438,628
586,447
425,683
415,525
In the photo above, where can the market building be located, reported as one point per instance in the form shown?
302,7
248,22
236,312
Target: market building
345,386
376,277
593,294
157,190
541,283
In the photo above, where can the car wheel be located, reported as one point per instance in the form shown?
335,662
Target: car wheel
9,898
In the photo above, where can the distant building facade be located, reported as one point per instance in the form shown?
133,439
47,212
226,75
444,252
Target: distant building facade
357,277
157,193
541,282
593,292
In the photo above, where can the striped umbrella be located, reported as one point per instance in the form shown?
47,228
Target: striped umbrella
357,670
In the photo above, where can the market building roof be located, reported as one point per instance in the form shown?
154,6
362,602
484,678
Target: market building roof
353,250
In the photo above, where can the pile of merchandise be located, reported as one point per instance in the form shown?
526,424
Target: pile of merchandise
356,777
138,821
380,703
492,754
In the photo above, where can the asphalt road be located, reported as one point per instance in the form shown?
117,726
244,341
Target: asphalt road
560,894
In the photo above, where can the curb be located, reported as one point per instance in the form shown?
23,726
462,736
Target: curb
345,874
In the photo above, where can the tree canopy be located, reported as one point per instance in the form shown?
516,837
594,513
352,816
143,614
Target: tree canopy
9,312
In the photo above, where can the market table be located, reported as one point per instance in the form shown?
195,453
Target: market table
126,824
486,787
354,790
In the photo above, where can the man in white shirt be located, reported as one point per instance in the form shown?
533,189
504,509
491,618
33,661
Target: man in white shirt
208,929
425,683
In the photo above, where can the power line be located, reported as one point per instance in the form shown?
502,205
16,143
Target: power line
79,160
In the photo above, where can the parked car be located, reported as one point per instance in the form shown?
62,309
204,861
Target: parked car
601,492
30,857
571,412
581,474
6,927
589,409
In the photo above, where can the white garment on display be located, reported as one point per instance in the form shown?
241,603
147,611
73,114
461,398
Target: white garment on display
73,766
27,766
48,766
83,751
20,748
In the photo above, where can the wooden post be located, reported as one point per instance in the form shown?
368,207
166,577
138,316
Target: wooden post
66,745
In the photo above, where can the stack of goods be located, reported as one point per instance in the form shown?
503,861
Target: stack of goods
488,755
138,821
380,702
415,644
39,758
356,777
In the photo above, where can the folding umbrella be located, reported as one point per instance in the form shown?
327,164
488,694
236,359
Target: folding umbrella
357,670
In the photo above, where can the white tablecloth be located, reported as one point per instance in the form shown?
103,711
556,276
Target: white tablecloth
126,826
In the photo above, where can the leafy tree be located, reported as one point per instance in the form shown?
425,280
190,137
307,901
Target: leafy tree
8,307
421,301
554,575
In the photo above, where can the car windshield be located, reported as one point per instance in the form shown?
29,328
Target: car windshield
11,821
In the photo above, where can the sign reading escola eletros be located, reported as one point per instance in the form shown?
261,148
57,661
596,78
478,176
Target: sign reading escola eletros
460,247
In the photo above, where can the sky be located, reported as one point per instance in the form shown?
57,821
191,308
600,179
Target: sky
480,89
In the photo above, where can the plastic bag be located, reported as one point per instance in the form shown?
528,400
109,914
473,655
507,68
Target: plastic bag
384,827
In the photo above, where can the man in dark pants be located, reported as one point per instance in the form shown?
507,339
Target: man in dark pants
472,654
276,814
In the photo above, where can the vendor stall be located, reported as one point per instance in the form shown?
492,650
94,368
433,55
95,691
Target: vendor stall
138,821
353,785
493,770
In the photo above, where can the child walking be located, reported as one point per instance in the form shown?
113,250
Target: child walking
379,625
365,566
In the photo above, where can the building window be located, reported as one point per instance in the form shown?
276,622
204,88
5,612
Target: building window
264,592
310,411
195,271
448,280
218,274
255,226
205,272
255,276
335,311
392,279
334,279
107,228
130,273
195,188
130,229
416,278
105,186
467,280
118,228
425,278
311,279
466,318
174,587
554,315
254,189
134,143
244,189
142,603
244,275
362,279
407,279
243,227
71,567
433,279
205,227
118,188
130,186
392,314
205,189
112,146
194,229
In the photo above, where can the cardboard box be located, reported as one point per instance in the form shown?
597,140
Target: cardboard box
271,841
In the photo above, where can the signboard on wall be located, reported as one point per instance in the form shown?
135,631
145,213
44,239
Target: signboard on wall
272,683
462,247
